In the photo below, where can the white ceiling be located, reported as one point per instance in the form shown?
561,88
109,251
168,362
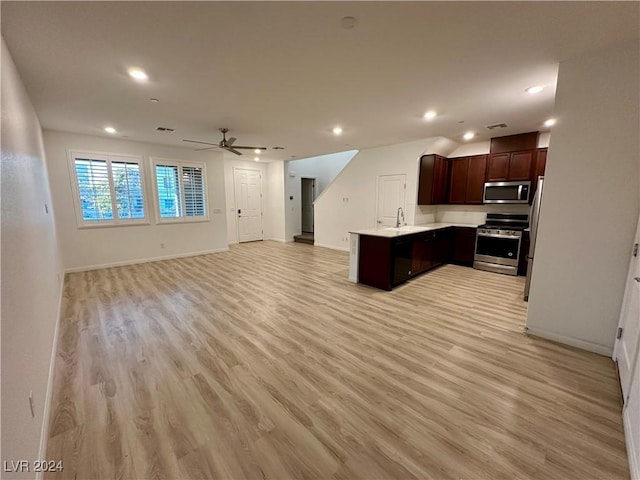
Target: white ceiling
284,73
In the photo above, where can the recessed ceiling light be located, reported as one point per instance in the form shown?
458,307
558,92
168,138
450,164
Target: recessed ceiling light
138,74
430,115
110,130
154,100
468,135
257,150
337,130
550,123
257,159
535,89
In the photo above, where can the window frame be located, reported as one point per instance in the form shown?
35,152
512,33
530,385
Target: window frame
109,158
155,161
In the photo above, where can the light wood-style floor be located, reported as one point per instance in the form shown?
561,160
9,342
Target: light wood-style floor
265,362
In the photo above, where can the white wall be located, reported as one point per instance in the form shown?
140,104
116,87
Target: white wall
31,278
274,224
590,203
349,203
229,186
324,169
95,247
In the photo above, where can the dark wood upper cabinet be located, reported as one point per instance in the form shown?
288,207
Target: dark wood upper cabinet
498,167
514,143
433,180
467,179
458,185
510,166
541,164
520,165
475,179
538,170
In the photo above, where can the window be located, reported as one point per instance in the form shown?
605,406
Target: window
109,189
181,191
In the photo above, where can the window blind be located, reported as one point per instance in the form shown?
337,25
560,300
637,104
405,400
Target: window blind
167,180
110,189
193,182
94,189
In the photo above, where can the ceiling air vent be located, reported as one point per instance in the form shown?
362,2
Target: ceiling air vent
496,125
165,129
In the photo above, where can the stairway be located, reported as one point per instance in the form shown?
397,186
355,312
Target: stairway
304,238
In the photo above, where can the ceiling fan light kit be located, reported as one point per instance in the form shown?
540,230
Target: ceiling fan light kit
225,144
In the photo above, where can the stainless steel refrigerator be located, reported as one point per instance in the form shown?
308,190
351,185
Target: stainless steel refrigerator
533,227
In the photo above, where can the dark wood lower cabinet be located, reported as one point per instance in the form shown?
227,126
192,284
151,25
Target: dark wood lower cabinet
464,246
386,262
374,262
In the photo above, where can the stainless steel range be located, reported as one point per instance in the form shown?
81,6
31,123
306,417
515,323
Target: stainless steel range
498,242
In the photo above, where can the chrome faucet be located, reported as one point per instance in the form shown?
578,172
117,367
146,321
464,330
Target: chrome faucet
400,212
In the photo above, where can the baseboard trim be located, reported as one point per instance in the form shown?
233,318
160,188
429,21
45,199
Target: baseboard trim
144,260
44,433
571,341
332,247
634,461
273,239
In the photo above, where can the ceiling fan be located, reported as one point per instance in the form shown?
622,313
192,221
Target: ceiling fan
226,144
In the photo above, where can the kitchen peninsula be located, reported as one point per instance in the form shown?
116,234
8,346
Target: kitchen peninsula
386,257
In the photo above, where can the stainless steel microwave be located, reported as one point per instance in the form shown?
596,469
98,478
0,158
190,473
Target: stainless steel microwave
506,192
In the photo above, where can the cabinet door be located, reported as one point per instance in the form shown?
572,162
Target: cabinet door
440,181
442,246
425,180
418,254
374,262
498,167
541,164
475,179
433,180
464,246
458,184
520,165
429,253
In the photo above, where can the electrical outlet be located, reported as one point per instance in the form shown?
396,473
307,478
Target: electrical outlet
162,245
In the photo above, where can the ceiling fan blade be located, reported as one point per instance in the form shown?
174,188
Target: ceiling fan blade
206,148
232,150
197,141
249,148
230,141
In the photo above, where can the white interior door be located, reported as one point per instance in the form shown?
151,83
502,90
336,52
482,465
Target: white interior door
248,192
391,192
631,416
308,187
626,348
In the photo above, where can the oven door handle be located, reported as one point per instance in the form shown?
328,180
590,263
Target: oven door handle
492,235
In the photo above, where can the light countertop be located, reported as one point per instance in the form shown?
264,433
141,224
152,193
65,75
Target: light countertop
391,232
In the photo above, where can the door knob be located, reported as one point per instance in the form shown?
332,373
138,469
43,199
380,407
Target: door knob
637,279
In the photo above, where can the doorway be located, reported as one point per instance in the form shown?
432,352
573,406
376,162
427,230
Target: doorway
248,197
308,195
391,193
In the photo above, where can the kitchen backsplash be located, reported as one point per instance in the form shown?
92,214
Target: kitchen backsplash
472,214
425,214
